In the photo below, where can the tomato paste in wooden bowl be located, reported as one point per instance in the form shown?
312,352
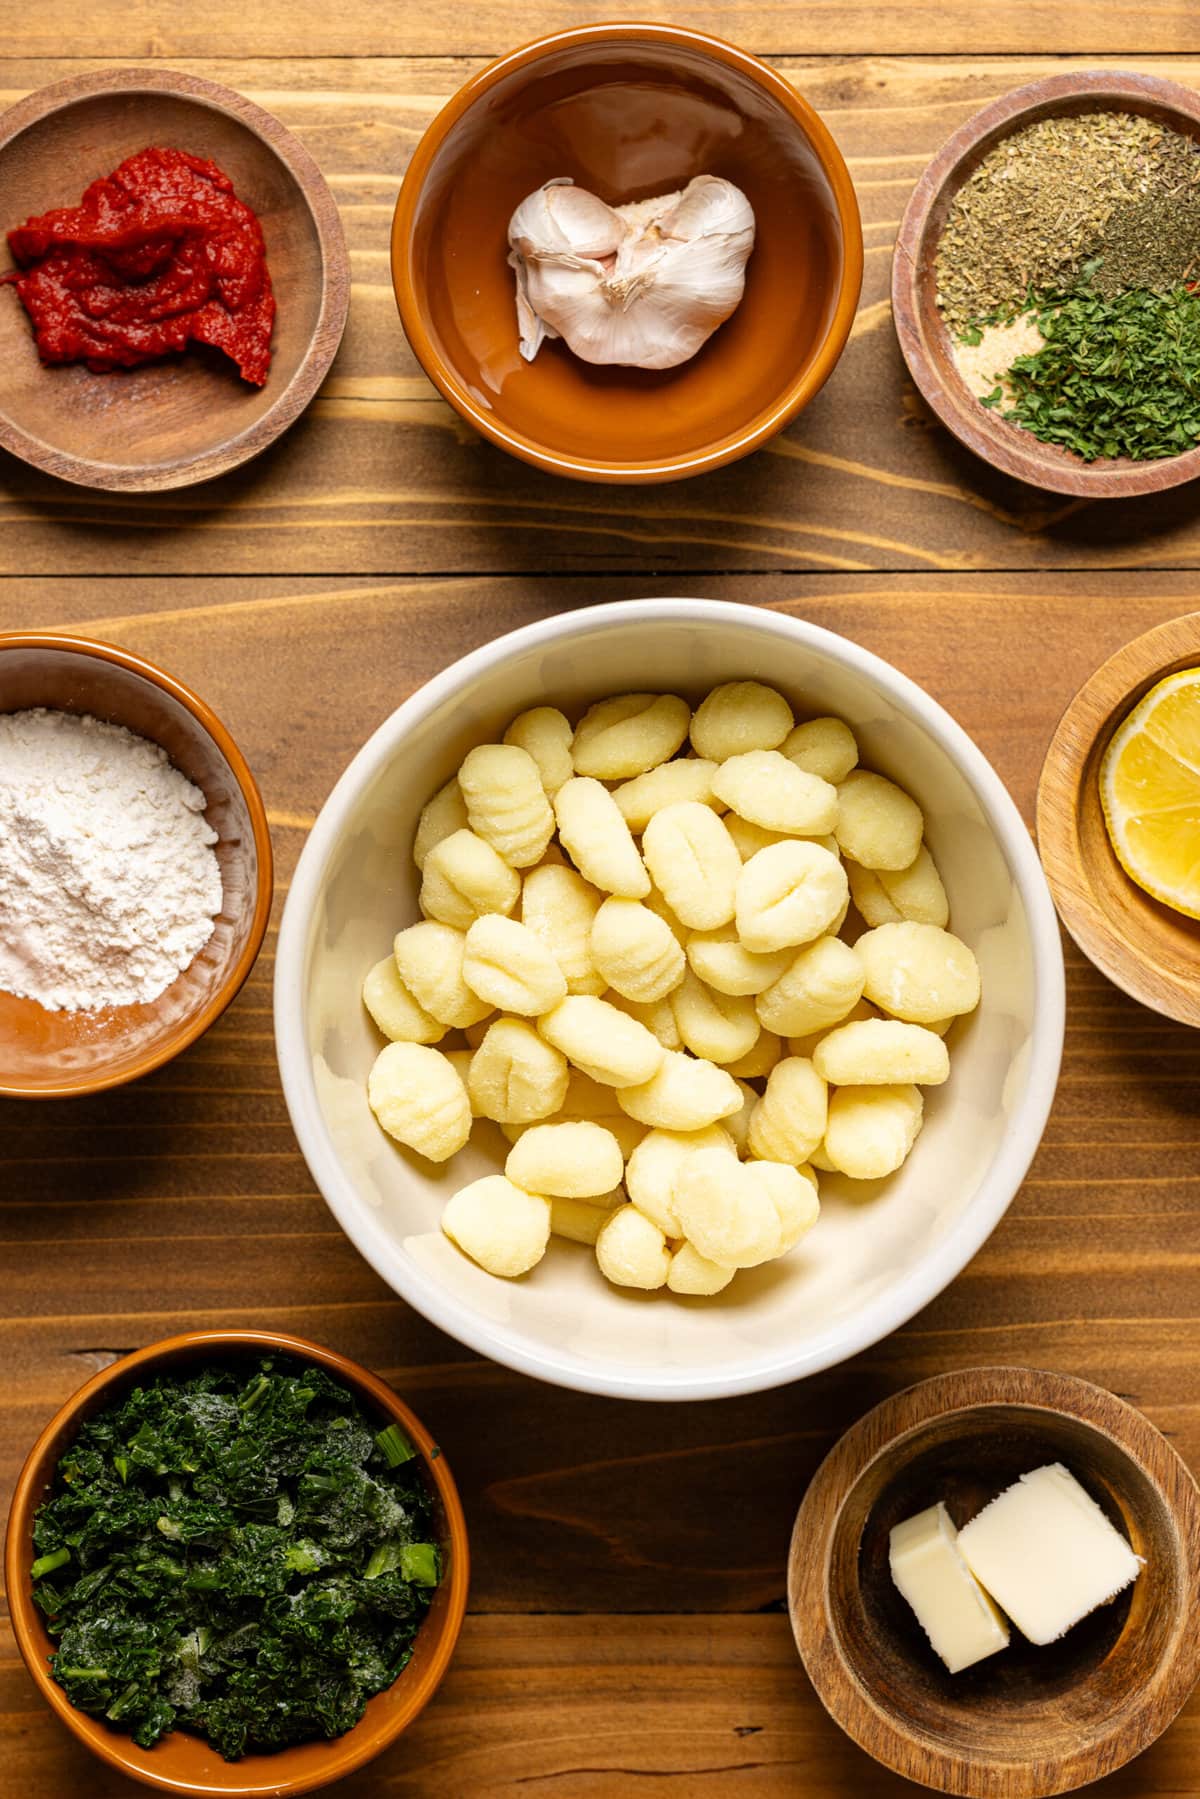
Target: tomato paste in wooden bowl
175,279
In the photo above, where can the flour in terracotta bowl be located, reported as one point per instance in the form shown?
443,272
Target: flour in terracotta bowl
108,879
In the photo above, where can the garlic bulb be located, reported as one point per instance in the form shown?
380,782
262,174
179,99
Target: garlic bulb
643,284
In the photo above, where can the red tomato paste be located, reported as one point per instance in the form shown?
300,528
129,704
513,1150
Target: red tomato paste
156,255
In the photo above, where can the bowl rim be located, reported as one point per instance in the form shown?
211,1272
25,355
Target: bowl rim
1096,712
197,1022
800,389
116,1749
252,439
1042,465
899,1303
905,1415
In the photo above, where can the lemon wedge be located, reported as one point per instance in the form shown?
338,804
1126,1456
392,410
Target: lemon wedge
1150,792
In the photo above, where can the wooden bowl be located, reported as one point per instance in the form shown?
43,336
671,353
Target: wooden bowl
1029,1721
185,419
628,111
926,343
1149,950
185,1764
48,1055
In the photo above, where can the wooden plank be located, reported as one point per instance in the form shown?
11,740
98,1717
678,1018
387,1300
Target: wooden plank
139,28
626,1631
382,477
303,669
595,1707
116,1214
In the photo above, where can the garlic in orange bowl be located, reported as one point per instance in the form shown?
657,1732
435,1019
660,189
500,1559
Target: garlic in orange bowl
644,284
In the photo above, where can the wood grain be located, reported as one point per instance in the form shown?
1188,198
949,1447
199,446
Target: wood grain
628,1632
594,1707
381,476
487,27
117,1217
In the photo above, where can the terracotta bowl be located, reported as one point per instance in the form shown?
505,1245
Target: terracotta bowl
628,111
926,343
1028,1721
48,1055
1149,950
190,417
182,1763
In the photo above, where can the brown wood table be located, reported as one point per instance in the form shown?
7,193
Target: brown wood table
627,1630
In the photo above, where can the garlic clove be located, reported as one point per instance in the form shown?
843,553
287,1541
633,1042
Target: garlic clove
644,284
708,206
564,218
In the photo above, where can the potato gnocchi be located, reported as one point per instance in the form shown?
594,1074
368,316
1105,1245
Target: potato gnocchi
463,878
566,1161
765,789
723,962
620,738
694,862
882,1052
597,839
820,985
418,1098
510,969
545,734
788,894
822,746
506,802
636,951
428,958
630,960
560,906
515,1076
395,1010
670,784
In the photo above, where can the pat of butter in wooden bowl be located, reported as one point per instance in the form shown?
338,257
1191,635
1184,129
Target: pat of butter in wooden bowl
1028,1718
962,1623
1043,1550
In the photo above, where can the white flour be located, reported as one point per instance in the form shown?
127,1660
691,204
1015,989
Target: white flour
108,882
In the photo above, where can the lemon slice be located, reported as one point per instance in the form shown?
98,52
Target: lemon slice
1150,791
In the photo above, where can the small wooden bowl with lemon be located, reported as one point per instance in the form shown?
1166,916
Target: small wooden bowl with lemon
1118,818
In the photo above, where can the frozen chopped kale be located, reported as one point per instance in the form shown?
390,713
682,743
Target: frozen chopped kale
237,1553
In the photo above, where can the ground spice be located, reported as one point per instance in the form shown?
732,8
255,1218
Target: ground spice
1038,205
1153,244
984,364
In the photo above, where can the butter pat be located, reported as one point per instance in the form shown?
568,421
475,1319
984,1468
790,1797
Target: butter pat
951,1607
1046,1553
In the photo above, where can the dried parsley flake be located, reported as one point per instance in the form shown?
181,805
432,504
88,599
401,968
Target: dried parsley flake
1117,376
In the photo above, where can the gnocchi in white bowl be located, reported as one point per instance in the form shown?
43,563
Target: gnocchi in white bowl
721,1020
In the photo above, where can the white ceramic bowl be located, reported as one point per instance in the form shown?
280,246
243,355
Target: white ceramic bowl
876,1258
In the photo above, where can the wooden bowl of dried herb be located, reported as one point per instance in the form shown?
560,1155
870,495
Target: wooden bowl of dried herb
1046,284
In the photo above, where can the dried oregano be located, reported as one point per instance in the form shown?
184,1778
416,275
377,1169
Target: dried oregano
1040,202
